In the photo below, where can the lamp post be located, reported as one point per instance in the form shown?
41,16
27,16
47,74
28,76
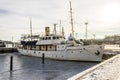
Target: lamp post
86,23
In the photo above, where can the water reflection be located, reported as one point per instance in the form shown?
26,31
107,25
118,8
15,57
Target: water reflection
4,63
31,68
11,75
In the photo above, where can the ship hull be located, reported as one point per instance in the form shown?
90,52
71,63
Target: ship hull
74,54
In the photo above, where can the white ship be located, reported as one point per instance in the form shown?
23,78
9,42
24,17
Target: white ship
55,46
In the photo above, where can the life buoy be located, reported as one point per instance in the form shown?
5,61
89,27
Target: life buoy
97,53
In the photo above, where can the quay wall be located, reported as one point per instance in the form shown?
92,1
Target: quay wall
7,50
107,70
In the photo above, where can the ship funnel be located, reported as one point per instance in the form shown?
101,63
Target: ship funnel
47,31
55,29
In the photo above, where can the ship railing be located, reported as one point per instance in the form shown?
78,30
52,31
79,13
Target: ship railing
28,37
35,35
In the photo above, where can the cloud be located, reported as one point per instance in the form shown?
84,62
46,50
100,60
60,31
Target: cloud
4,12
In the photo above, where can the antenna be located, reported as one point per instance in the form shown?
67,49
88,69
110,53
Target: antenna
30,28
71,19
60,28
86,23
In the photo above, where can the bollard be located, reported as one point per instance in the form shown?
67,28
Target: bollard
43,58
11,63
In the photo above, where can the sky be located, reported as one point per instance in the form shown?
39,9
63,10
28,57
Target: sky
103,17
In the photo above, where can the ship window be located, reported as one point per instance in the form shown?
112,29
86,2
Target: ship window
60,36
45,38
49,37
53,37
50,46
71,39
57,37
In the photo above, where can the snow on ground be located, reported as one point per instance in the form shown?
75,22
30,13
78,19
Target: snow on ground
109,71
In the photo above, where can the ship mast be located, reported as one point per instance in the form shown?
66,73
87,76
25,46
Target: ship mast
63,31
71,19
30,28
60,28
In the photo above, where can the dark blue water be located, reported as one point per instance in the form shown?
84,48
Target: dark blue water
31,68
